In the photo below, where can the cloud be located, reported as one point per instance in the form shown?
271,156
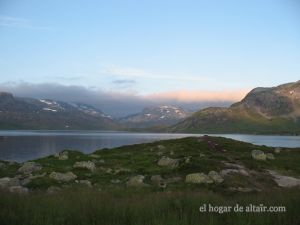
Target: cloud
114,103
196,96
15,22
139,73
124,82
122,103
71,78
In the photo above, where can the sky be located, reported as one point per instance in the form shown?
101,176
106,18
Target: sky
187,51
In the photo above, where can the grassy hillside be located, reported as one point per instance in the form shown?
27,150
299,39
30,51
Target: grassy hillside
106,193
236,120
273,110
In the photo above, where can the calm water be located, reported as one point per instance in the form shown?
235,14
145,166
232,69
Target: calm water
27,145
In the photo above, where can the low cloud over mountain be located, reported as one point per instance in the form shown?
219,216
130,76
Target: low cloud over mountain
120,104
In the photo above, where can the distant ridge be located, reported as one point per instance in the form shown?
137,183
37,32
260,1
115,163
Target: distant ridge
155,116
29,113
274,110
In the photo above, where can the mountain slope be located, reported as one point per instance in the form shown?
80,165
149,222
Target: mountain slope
273,110
29,113
155,116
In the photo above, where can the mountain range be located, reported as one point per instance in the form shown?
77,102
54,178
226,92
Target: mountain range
29,113
164,115
273,110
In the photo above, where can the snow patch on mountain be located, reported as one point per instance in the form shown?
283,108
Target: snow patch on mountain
48,109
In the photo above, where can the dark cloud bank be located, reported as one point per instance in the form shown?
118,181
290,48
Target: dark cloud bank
114,103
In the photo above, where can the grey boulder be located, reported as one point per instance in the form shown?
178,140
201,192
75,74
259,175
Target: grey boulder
29,167
168,162
64,177
85,165
258,155
198,178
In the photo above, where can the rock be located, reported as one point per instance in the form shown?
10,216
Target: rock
284,181
29,167
161,147
270,156
198,178
4,182
85,165
156,179
201,155
27,179
18,189
188,159
53,189
64,177
226,172
95,156
85,182
136,181
62,155
7,182
115,181
216,177
168,162
234,168
258,155
277,150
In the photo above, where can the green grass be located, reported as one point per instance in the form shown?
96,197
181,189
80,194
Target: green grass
142,159
235,120
132,207
108,203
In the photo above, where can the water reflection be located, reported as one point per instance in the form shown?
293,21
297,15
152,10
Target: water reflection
26,145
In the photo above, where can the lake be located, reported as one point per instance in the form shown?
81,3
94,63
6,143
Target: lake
27,145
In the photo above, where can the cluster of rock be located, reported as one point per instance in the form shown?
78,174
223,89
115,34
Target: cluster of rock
63,177
136,181
16,184
232,168
201,178
168,162
260,155
62,155
29,167
95,156
12,184
70,176
284,181
29,171
85,165
157,180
